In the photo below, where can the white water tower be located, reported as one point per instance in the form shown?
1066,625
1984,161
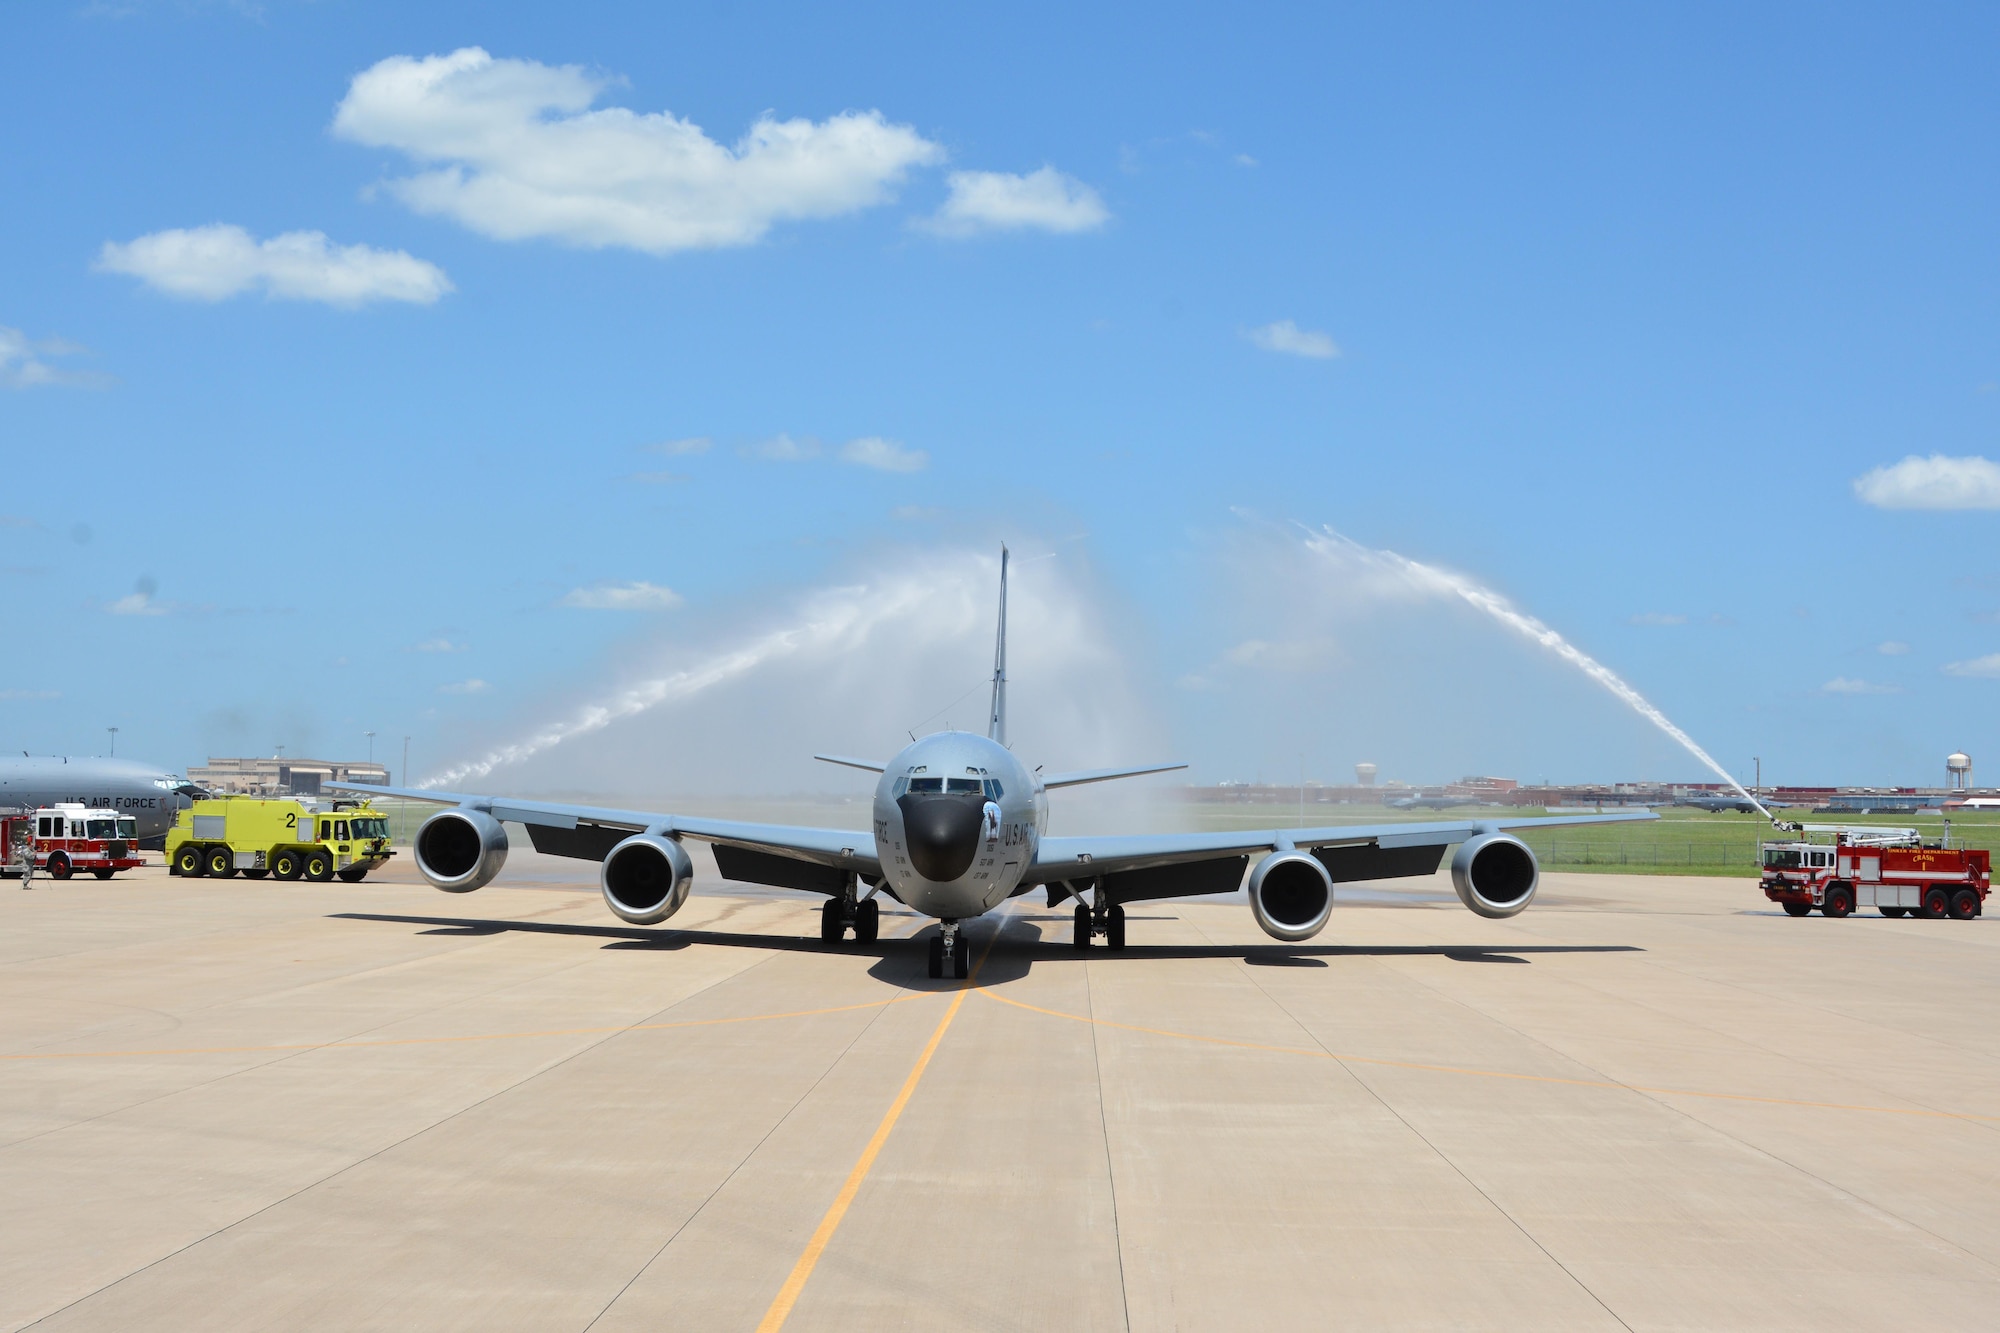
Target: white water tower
1958,770
1364,773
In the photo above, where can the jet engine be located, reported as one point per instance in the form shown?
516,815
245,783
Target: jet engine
1495,875
459,850
646,879
1291,895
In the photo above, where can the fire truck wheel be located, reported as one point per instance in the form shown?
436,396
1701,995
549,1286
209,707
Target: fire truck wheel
102,874
255,874
353,875
1964,905
58,866
319,867
187,861
1937,904
1838,902
221,862
1797,909
1893,911
285,865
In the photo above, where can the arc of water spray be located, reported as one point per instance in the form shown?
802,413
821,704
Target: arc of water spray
1432,579
844,616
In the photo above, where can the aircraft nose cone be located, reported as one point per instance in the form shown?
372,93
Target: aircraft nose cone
942,833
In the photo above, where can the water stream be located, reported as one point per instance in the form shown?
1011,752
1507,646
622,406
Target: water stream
1432,579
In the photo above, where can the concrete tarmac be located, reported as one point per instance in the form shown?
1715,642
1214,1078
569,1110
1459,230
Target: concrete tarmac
1646,1103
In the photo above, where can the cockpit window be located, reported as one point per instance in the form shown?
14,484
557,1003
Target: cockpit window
968,785
994,791
927,784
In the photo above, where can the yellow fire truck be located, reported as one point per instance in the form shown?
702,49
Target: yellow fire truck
283,838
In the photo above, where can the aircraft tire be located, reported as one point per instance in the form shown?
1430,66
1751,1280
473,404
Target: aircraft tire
937,957
1114,928
188,861
831,927
1964,905
867,922
961,957
1082,938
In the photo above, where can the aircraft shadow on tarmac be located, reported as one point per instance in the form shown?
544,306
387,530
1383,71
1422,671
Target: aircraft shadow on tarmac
1010,957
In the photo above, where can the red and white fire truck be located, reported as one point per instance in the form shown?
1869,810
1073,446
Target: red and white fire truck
1891,870
71,838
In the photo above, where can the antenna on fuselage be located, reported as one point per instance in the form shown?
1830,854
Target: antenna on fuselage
996,721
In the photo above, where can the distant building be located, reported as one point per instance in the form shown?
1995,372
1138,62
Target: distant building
279,776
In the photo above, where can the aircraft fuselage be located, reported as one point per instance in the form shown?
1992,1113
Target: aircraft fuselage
957,821
150,795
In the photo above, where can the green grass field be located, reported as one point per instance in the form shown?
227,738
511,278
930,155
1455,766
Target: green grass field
1680,842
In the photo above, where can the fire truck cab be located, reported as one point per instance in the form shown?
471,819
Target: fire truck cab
1890,870
72,837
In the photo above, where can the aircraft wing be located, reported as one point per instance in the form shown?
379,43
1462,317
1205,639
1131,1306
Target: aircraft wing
1175,865
786,855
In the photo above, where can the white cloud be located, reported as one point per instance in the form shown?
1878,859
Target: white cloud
694,444
1044,200
658,478
30,694
1287,337
623,597
883,455
219,261
782,449
1893,648
473,686
1987,667
136,604
23,364
916,513
514,151
437,645
1843,685
1657,618
1936,482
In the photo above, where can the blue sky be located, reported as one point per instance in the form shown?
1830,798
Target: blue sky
350,355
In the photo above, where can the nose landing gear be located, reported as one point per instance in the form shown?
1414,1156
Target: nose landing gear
949,949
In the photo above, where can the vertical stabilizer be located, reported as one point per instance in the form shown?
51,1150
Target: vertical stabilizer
996,723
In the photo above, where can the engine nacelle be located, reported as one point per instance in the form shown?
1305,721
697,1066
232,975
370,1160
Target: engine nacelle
646,879
1495,875
459,850
1291,895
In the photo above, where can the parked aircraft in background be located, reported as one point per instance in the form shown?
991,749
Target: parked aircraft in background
959,825
151,795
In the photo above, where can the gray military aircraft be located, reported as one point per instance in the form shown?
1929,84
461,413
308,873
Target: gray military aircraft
151,795
959,828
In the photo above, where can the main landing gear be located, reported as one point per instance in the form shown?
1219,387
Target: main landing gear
842,913
949,948
1107,921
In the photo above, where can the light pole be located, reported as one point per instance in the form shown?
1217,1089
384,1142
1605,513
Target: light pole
114,741
1759,780
371,745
